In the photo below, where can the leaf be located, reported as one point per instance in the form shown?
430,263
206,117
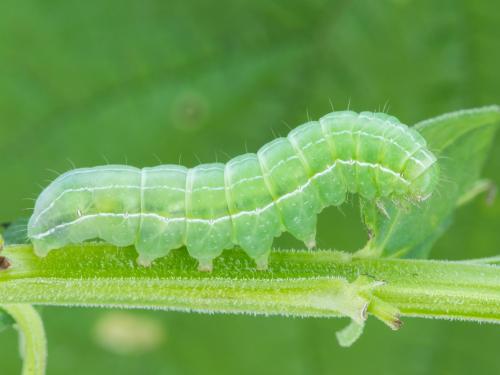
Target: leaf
461,141
17,232
6,320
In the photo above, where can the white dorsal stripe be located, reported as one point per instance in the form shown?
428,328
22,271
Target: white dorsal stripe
254,212
166,168
95,170
395,124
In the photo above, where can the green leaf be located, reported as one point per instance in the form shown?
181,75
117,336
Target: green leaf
461,141
17,232
6,320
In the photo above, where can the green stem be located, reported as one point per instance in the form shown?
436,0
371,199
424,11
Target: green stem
32,337
297,283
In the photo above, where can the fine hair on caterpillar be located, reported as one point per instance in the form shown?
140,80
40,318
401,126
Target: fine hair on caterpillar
246,202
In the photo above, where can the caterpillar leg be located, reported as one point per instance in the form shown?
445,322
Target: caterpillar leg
311,242
205,265
262,261
144,261
156,239
41,248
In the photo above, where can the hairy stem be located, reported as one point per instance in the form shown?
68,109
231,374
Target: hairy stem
297,283
33,344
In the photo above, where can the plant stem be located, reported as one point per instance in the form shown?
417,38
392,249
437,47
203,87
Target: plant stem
297,283
33,344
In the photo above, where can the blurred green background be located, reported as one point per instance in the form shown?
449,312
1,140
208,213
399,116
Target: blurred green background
137,82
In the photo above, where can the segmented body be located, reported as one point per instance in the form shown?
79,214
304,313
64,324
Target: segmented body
246,202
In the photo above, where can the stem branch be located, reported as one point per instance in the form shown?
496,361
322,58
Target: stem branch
33,344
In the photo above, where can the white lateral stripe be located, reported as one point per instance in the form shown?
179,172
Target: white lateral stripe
110,187
254,212
76,190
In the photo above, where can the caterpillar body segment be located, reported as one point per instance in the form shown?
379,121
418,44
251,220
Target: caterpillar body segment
246,202
163,198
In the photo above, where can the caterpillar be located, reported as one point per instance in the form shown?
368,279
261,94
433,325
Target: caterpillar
246,202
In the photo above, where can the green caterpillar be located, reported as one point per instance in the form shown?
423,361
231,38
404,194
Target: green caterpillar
246,202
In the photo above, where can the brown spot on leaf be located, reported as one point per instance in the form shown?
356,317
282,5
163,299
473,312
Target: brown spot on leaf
4,263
